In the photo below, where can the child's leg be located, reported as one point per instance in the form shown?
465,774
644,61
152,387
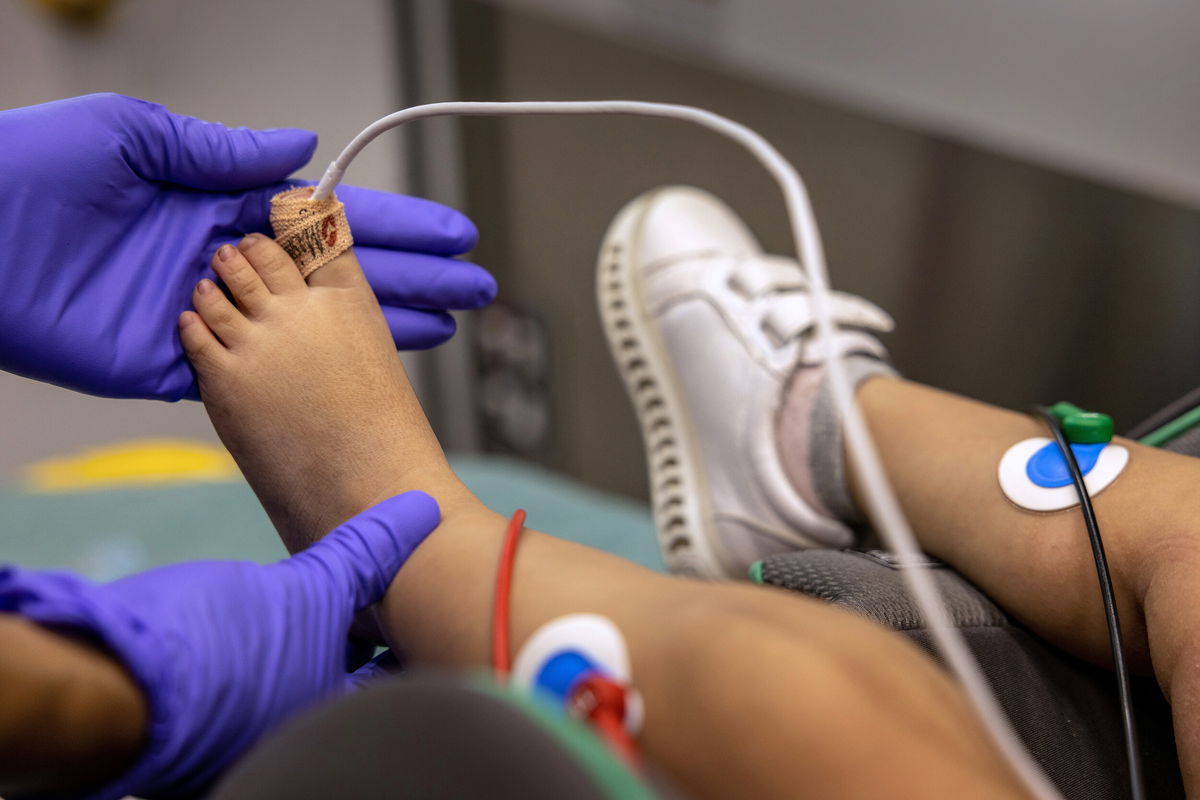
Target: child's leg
717,341
749,692
942,452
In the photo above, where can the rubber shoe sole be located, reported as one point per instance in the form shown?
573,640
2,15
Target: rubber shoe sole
678,489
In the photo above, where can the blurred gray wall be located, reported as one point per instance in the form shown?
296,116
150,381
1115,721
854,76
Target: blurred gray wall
1010,282
1103,87
329,67
924,128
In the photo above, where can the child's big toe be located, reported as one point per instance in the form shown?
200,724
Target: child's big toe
343,271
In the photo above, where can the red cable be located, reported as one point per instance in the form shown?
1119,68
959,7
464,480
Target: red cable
600,700
612,729
500,660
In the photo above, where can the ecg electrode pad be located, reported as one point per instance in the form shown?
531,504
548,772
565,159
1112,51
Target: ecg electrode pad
1033,473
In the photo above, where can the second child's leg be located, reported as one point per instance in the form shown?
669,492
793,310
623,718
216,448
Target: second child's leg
942,451
718,346
749,692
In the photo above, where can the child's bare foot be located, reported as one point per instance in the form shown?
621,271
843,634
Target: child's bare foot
302,382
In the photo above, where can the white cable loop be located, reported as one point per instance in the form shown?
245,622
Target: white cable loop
882,505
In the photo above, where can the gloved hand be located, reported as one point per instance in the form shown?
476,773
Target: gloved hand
111,207
226,650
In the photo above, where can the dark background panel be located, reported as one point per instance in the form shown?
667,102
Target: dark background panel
1009,282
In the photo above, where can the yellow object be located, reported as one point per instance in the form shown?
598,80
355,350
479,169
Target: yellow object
141,462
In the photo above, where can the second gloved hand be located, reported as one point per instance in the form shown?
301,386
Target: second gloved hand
224,650
111,207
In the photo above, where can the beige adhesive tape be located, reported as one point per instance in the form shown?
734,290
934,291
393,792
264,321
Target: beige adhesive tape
312,233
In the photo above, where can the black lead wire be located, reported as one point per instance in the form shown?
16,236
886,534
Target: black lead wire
1137,786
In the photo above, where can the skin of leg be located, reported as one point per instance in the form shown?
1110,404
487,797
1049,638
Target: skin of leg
70,715
748,691
942,452
725,669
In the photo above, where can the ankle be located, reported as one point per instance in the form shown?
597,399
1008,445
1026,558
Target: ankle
437,480
809,437
305,517
865,394
437,610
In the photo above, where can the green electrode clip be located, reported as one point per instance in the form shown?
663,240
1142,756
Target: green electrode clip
1083,427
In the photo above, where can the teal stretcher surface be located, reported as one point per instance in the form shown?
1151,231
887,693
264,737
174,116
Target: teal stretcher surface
105,534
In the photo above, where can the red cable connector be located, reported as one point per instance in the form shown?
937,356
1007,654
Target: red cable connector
600,701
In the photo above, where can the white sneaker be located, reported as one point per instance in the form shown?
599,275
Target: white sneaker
706,330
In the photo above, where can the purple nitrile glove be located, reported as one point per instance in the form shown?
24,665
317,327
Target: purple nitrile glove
225,651
111,208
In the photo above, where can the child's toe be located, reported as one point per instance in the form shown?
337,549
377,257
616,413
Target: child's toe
199,344
220,315
273,265
247,288
343,271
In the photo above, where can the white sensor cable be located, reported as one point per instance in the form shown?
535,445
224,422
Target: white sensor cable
882,505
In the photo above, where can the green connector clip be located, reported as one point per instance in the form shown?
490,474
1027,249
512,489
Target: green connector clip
1083,427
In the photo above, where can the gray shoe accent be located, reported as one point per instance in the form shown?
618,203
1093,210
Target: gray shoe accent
827,460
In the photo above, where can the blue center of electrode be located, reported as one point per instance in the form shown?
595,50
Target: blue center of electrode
561,672
1048,468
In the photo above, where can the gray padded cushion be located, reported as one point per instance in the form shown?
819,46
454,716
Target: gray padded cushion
1063,709
862,582
1187,443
